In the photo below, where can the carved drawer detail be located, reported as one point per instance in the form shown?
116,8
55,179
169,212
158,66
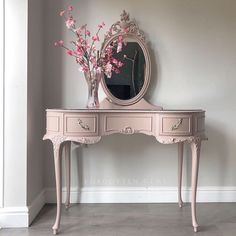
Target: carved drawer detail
81,124
128,124
175,124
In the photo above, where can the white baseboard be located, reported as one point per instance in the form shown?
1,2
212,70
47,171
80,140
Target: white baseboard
142,194
14,217
11,217
36,205
20,217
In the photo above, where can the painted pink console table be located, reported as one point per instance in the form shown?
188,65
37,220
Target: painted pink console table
86,126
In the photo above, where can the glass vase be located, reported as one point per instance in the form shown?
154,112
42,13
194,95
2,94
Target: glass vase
93,79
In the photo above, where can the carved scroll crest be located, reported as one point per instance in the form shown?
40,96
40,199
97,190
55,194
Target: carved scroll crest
125,25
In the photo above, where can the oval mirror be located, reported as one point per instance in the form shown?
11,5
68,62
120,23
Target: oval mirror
129,84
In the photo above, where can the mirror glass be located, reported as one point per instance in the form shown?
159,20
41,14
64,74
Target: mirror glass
129,81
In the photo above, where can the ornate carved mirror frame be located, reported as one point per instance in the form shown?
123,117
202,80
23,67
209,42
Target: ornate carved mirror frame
129,30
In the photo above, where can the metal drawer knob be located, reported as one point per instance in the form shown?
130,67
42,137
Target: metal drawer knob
176,126
83,126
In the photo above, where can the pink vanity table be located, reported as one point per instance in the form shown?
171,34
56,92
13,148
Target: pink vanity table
126,116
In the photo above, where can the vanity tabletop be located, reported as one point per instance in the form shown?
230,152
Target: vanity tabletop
102,110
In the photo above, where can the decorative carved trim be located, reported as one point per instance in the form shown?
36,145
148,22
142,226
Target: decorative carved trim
196,144
129,130
125,25
58,139
87,140
171,140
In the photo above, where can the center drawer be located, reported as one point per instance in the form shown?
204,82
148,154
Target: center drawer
128,123
81,124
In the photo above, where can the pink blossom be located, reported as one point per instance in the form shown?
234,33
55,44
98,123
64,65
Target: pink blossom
101,25
126,30
115,61
88,33
93,60
70,22
59,43
120,64
95,38
78,31
84,68
79,51
120,39
84,48
70,8
69,52
62,13
99,69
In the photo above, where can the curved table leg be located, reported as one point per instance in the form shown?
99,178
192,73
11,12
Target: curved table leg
57,163
180,168
68,170
195,146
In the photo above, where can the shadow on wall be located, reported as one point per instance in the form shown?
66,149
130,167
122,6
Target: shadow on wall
53,76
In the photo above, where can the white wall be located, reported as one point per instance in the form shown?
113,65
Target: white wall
193,50
22,189
15,103
1,98
192,44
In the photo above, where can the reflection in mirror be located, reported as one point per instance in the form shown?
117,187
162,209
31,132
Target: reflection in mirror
129,81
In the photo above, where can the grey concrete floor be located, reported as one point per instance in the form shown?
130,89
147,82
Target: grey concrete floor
215,219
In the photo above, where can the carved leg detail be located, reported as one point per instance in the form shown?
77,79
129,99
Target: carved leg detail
195,146
57,162
180,168
68,170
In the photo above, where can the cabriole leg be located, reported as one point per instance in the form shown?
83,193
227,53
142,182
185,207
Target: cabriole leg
57,163
195,146
180,168
68,173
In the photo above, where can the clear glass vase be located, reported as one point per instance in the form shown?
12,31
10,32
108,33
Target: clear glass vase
93,79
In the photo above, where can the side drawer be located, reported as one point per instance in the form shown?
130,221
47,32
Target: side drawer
81,124
54,123
176,124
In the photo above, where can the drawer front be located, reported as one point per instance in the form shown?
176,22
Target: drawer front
128,124
81,124
54,123
176,125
